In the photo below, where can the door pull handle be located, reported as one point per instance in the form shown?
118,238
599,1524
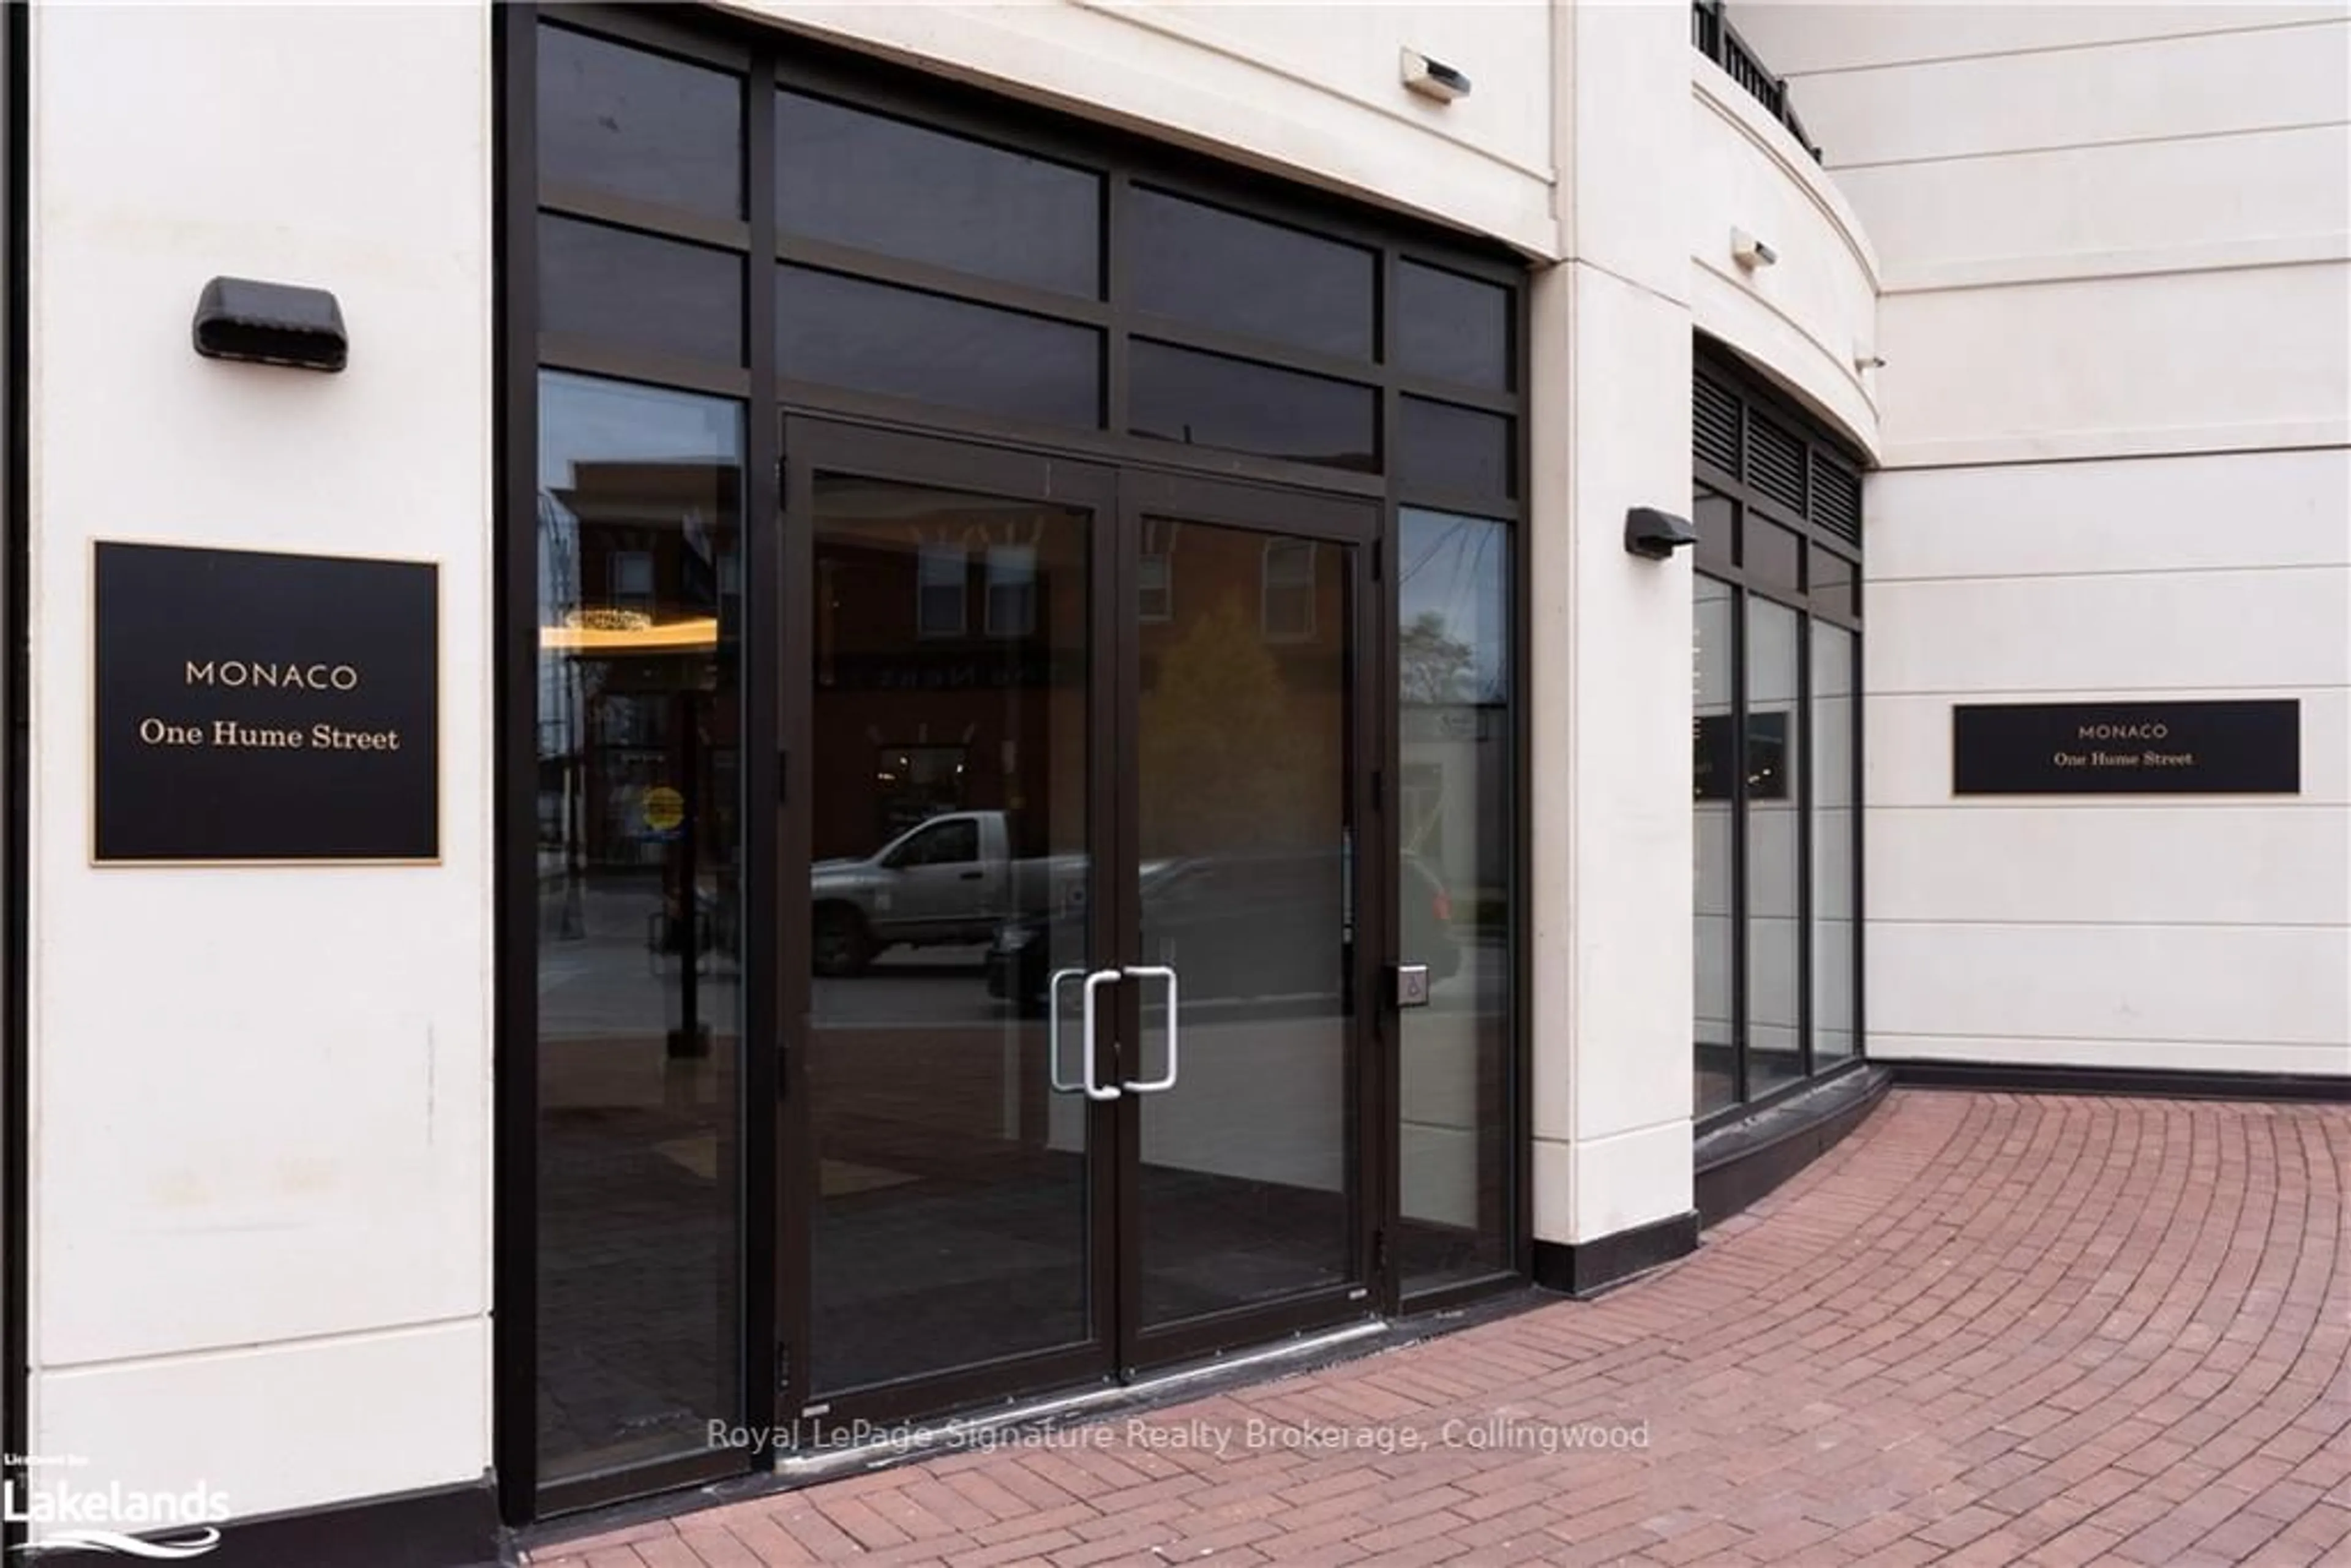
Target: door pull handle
1167,1080
1094,1089
1054,1030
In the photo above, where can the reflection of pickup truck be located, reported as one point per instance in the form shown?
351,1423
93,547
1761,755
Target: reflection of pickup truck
949,880
1256,923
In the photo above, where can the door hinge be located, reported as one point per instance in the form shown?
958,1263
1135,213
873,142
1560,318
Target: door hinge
1379,547
1379,790
1380,1253
783,776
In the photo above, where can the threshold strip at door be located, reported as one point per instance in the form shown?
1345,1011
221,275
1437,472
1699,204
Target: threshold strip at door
948,1435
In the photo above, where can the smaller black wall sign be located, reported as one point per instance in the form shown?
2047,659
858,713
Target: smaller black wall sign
2127,748
261,706
1767,756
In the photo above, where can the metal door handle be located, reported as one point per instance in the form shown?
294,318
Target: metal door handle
1054,1029
1095,1090
1158,972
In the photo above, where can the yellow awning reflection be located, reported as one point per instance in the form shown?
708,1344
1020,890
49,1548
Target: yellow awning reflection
670,637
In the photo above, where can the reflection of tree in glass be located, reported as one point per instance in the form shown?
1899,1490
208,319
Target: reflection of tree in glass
1432,665
1454,691
1434,669
1222,770
1452,569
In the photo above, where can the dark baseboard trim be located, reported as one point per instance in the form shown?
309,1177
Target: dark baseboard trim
1588,1268
1740,1163
2038,1078
445,1527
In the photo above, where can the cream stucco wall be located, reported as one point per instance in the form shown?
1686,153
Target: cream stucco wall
2116,250
1809,319
1311,90
1610,689
259,1241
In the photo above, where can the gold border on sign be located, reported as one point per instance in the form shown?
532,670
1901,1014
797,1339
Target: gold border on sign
440,714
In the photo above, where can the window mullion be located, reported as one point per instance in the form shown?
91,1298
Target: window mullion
1740,1010
1800,748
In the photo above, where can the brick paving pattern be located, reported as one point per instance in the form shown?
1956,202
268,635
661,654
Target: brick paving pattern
1984,1329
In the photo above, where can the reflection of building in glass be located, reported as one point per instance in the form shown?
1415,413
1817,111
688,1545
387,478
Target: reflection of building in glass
950,671
951,635
636,582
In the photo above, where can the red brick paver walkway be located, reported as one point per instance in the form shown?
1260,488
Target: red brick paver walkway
1984,1329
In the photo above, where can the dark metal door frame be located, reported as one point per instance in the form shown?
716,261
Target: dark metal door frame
1117,497
812,446
1356,527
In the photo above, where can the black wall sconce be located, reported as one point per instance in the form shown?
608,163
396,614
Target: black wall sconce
271,324
1654,535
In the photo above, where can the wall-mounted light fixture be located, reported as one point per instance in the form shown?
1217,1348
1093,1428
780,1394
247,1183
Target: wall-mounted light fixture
1654,535
1432,79
1750,252
271,324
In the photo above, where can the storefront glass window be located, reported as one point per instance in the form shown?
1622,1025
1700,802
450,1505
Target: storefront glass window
896,343
855,177
639,125
1774,869
1775,748
1461,450
1453,894
1211,400
1835,879
1715,893
1236,274
1453,327
639,910
631,290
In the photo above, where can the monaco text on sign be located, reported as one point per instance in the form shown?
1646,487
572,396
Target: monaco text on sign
253,705
2250,748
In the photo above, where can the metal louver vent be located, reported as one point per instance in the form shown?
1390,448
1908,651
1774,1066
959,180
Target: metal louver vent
1836,498
1775,463
1778,471
1714,419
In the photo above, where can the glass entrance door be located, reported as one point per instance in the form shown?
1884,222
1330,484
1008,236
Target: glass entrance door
947,682
1245,1002
1076,775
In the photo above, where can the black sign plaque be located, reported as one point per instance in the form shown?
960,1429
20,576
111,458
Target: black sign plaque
254,706
1767,756
2127,748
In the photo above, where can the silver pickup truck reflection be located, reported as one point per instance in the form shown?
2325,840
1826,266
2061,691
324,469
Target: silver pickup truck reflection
1255,923
952,880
